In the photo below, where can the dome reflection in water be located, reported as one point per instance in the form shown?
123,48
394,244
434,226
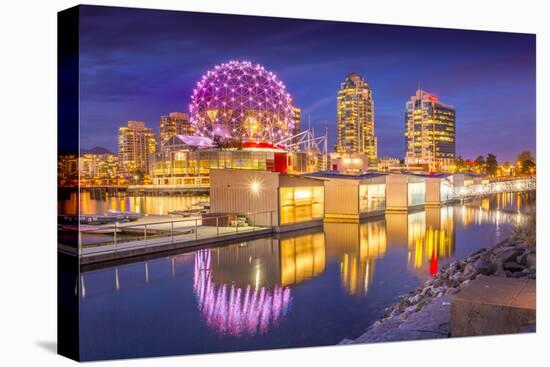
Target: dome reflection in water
229,309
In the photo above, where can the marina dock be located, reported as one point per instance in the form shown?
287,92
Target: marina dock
153,234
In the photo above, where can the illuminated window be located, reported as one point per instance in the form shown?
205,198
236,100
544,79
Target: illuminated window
417,193
445,191
372,197
300,204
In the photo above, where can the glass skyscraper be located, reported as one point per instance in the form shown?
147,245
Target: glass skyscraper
429,133
356,118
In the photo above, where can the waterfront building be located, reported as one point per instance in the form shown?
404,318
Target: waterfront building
284,201
98,166
244,119
240,102
349,198
355,109
354,163
187,160
439,189
389,164
135,145
175,123
465,179
404,192
67,170
429,133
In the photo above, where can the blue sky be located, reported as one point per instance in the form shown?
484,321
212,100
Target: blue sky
140,64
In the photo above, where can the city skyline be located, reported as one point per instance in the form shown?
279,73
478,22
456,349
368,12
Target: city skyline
152,66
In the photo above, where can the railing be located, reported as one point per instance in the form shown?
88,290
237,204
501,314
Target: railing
494,187
129,235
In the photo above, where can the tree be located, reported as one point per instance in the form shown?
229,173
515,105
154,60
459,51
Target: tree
525,156
480,163
491,164
506,168
460,164
138,177
525,163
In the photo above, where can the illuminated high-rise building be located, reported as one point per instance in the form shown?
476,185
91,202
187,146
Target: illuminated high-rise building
135,145
356,118
429,133
297,119
98,166
176,123
297,122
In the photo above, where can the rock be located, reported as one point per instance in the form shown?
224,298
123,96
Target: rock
509,254
410,309
423,302
416,298
531,260
476,255
513,266
457,277
480,266
522,259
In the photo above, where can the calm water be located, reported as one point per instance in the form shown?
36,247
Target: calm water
301,290
100,202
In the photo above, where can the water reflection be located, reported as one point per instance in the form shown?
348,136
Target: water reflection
302,257
231,310
357,247
247,289
101,201
430,238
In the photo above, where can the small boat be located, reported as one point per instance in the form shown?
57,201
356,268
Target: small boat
98,219
202,204
129,216
201,207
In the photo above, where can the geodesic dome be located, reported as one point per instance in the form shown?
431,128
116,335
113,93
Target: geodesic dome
243,102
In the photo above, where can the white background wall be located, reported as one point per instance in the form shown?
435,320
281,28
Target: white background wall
28,265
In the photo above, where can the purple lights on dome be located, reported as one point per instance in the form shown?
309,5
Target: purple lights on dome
235,311
247,99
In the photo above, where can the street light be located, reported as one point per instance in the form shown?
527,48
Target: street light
255,186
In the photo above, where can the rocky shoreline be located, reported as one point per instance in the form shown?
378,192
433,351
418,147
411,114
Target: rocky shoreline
425,311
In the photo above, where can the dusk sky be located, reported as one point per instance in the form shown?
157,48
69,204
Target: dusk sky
140,64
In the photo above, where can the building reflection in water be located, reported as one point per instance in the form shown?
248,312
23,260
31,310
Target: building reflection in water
245,289
430,238
97,202
302,257
358,246
233,310
503,208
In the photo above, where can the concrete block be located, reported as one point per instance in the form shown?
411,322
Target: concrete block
492,305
